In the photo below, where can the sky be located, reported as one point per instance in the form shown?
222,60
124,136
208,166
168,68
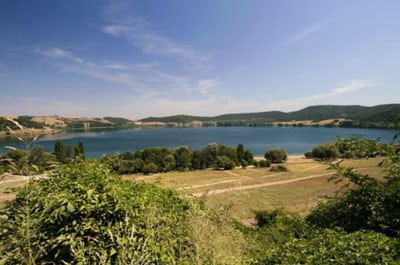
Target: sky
137,59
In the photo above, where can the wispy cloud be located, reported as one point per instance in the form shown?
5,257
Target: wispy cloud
306,32
344,88
335,95
58,53
147,79
138,32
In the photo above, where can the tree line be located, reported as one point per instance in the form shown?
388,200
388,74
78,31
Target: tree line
162,159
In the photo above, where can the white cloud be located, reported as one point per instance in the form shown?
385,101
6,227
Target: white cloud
55,52
344,88
147,79
59,53
339,94
121,22
152,43
306,32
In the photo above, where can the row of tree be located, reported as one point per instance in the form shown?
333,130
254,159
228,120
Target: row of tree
148,160
64,153
354,147
162,159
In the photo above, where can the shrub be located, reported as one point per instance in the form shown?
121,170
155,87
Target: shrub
169,162
224,162
244,163
326,151
277,155
126,167
84,215
265,163
279,168
150,168
336,247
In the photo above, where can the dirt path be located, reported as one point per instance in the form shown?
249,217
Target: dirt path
261,185
237,175
17,178
209,184
147,176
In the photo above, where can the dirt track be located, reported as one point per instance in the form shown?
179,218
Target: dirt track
256,186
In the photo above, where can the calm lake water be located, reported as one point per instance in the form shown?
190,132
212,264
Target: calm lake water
295,140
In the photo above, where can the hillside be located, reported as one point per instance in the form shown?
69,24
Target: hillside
380,116
47,124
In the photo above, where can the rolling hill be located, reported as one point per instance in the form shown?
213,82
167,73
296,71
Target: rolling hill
346,116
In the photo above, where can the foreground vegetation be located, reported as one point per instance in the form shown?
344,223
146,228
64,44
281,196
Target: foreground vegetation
84,214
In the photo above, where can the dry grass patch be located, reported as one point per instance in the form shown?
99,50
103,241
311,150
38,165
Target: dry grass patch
6,194
298,197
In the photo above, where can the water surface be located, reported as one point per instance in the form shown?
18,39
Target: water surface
294,139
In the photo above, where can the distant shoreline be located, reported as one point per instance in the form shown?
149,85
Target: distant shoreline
50,131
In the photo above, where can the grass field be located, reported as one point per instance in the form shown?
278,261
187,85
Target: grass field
240,192
243,191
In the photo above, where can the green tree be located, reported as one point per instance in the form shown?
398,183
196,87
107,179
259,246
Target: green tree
240,152
197,161
224,162
79,150
150,168
276,155
59,151
183,157
169,162
248,157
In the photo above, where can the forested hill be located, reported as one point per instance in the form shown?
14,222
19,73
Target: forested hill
333,115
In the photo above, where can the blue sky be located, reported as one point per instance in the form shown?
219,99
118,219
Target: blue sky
154,58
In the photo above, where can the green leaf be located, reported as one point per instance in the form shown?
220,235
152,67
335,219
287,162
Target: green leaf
70,207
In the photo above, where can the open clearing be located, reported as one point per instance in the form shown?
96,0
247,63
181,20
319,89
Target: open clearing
240,192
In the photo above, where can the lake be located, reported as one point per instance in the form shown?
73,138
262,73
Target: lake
296,140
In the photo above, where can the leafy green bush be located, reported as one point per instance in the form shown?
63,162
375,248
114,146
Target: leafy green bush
223,162
369,203
335,247
327,151
265,163
84,215
277,155
150,168
354,147
279,168
281,238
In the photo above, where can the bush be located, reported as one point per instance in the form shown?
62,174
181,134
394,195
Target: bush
84,215
224,162
265,163
326,151
244,164
126,167
150,168
354,147
279,168
336,247
277,155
